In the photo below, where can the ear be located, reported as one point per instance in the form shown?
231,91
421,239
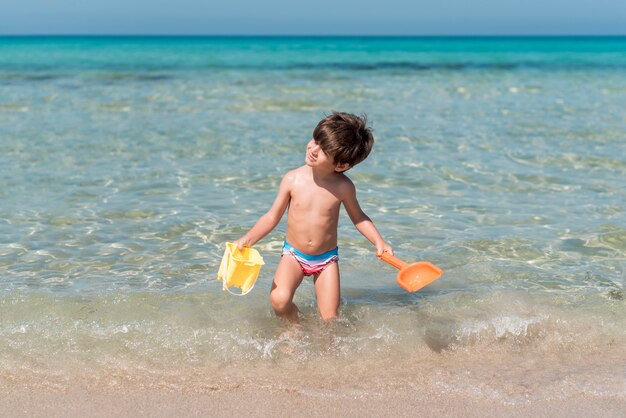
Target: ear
340,168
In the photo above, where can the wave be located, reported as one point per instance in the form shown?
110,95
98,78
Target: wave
209,327
147,72
196,341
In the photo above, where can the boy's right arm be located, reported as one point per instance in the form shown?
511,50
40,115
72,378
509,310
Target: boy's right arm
271,218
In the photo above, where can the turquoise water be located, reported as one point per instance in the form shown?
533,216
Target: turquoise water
126,163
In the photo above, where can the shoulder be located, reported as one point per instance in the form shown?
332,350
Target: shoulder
291,177
345,186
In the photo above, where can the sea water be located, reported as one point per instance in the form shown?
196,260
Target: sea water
126,163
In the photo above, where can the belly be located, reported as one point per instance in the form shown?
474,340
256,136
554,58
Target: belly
312,235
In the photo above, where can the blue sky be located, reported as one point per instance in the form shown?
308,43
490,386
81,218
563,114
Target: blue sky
317,17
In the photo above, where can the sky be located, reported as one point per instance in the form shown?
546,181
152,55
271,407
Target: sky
318,17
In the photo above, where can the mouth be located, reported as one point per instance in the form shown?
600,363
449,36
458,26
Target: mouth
310,157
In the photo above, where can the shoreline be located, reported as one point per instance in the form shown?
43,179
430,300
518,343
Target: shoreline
128,400
399,386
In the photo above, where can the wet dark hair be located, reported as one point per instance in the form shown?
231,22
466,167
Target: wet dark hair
345,137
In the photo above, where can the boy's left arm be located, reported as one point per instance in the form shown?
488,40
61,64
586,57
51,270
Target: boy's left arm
362,222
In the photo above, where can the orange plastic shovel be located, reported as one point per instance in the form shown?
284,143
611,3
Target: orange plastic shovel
412,277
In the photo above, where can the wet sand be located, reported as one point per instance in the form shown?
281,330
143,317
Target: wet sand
77,401
448,387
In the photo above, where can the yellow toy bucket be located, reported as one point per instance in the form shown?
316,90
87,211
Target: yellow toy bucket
239,268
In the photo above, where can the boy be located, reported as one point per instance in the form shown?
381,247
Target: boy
314,194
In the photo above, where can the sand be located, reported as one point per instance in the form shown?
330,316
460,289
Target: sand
322,389
77,401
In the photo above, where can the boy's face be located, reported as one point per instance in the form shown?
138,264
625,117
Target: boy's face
316,157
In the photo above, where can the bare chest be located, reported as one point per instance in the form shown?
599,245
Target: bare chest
315,198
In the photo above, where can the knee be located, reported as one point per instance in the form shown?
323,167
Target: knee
280,300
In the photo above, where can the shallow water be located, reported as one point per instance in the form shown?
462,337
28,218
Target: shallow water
126,163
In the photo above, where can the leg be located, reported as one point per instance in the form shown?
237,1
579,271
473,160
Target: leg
287,278
327,292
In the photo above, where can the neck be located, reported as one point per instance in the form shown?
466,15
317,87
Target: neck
322,174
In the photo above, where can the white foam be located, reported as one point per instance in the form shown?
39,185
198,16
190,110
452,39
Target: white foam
499,326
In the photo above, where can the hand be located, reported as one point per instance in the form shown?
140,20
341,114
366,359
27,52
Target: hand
383,247
242,242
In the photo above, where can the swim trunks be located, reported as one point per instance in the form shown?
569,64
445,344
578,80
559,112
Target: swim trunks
312,264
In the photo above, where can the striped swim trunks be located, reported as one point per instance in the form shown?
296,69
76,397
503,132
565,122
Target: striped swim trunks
312,264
